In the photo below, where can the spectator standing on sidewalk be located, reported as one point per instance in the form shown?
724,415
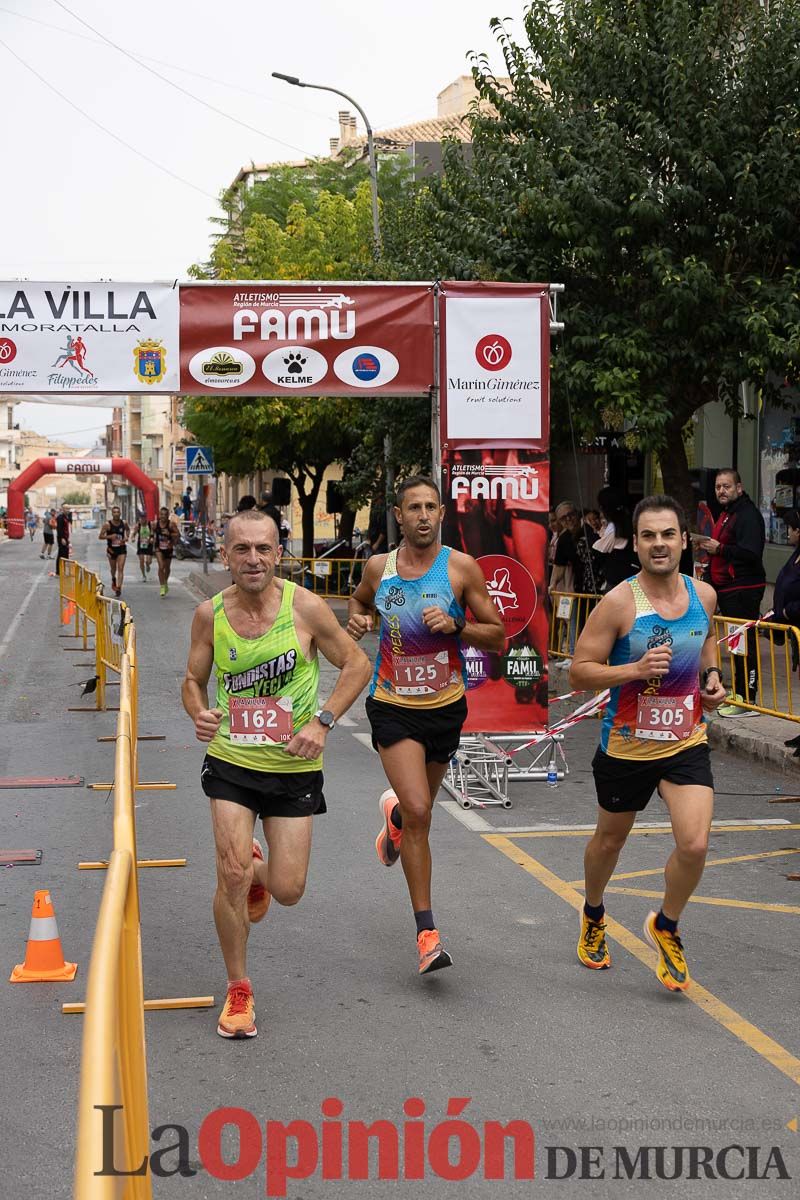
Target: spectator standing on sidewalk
63,531
613,551
736,571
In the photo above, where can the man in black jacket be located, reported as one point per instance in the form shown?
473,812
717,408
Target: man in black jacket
736,571
63,533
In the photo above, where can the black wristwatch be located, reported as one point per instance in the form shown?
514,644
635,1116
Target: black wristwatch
707,672
459,623
326,718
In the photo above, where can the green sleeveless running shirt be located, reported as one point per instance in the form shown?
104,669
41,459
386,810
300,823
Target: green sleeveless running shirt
272,665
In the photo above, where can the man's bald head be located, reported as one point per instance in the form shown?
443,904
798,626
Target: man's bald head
246,518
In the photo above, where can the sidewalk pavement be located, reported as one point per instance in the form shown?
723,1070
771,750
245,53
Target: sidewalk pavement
754,735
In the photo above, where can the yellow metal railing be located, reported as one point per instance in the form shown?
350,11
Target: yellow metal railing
568,616
334,578
113,1055
777,649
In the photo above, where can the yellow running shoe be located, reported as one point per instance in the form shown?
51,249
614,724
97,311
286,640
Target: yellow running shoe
592,948
238,1016
432,954
258,897
671,970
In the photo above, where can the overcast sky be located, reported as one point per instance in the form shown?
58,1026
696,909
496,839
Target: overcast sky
79,205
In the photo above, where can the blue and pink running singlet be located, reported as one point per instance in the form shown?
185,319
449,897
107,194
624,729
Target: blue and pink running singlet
653,718
414,667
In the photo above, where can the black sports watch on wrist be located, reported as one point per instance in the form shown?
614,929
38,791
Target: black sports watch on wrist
325,718
707,672
459,623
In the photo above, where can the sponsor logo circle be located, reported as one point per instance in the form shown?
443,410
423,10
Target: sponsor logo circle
366,366
522,667
493,352
477,664
295,367
8,350
511,589
222,367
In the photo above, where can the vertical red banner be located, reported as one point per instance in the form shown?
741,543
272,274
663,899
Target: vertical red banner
494,375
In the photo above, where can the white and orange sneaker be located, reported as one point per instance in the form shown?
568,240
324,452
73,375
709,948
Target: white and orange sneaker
432,954
387,843
258,897
238,1016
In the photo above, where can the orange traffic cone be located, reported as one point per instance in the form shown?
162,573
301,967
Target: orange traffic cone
44,958
67,612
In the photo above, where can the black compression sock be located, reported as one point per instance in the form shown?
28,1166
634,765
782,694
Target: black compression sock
664,923
595,912
424,920
396,818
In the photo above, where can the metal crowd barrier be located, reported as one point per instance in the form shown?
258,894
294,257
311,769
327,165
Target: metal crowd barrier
113,1056
777,656
333,578
568,616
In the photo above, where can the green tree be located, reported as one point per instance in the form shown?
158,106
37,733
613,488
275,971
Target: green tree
310,223
300,436
77,498
648,157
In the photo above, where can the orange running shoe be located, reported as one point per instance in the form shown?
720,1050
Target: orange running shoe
432,954
387,843
238,1016
258,897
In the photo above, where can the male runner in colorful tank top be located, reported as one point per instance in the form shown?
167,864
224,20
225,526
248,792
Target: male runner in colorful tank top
266,735
416,705
651,641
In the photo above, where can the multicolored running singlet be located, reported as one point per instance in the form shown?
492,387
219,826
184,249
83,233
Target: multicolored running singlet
414,667
653,718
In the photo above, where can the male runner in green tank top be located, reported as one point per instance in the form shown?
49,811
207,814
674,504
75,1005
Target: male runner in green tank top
266,735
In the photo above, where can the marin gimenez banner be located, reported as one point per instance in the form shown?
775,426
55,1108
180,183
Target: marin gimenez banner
495,341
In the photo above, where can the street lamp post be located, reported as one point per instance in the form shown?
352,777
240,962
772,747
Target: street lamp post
373,167
376,235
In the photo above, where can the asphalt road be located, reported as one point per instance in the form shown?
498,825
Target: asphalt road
606,1060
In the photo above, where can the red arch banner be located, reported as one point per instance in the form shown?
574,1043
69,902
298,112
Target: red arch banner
15,518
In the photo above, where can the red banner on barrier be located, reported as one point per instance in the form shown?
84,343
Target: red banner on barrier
310,339
496,484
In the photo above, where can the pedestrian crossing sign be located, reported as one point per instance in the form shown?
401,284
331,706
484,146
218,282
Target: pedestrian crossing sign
199,460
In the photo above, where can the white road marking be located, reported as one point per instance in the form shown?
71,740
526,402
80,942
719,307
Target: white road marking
468,817
365,740
8,636
346,721
547,827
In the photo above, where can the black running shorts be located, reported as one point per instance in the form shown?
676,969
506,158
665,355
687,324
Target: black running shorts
437,729
266,793
116,551
626,786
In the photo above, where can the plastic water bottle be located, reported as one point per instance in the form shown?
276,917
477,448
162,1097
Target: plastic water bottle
552,775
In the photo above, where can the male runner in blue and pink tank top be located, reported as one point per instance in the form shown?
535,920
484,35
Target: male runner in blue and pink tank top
650,640
416,705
